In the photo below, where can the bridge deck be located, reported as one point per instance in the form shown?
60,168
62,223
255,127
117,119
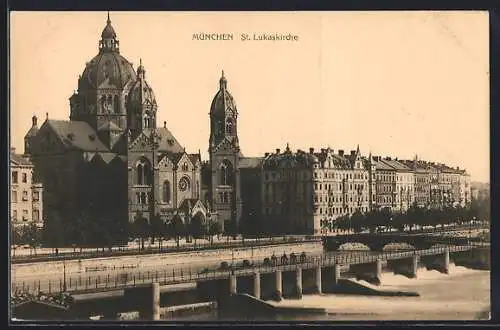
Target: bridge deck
186,276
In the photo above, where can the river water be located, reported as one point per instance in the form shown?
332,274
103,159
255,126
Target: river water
463,294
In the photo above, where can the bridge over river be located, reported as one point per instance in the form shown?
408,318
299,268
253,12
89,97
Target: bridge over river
344,261
313,275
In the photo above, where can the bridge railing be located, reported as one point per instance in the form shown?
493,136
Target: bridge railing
82,284
125,251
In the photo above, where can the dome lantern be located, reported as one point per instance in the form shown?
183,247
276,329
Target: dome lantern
108,42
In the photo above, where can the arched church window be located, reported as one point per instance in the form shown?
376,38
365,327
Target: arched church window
103,102
166,191
226,174
229,126
144,174
117,104
139,174
147,174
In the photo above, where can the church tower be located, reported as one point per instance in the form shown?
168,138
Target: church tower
224,150
103,87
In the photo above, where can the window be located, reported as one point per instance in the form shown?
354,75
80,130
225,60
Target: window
185,167
36,215
25,215
166,192
14,177
14,196
25,195
226,174
25,177
229,126
36,196
14,215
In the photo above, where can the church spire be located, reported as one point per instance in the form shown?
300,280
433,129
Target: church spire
223,81
141,72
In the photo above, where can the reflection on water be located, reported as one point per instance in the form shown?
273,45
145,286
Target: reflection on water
464,294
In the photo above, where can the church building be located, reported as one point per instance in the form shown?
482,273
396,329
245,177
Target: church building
109,165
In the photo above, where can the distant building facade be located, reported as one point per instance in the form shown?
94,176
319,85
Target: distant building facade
26,193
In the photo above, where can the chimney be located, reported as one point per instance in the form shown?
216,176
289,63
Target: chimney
311,150
164,124
266,154
34,120
323,150
341,153
353,152
387,158
396,158
277,150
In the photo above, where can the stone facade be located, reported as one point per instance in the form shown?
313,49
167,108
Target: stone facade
26,193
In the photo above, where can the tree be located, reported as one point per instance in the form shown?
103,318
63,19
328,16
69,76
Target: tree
33,235
157,227
357,221
177,228
214,228
141,228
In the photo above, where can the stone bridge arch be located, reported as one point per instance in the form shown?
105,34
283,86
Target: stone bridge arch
353,246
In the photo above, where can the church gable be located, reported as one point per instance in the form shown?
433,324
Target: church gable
225,146
141,143
184,163
165,163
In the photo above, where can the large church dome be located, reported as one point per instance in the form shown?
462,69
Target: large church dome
223,100
108,68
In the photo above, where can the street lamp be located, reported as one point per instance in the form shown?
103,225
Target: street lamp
64,275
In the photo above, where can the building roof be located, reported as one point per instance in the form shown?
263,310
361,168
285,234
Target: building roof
289,159
166,142
251,162
382,166
398,166
18,160
109,126
77,134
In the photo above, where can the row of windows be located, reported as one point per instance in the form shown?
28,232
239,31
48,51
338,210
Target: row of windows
224,197
35,196
328,186
341,176
337,199
15,177
35,215
340,210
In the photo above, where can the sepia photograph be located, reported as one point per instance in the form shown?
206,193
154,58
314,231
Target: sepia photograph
182,166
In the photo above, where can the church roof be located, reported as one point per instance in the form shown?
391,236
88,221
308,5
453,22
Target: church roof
109,126
194,158
167,142
77,134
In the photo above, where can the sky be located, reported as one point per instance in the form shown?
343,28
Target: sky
398,84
